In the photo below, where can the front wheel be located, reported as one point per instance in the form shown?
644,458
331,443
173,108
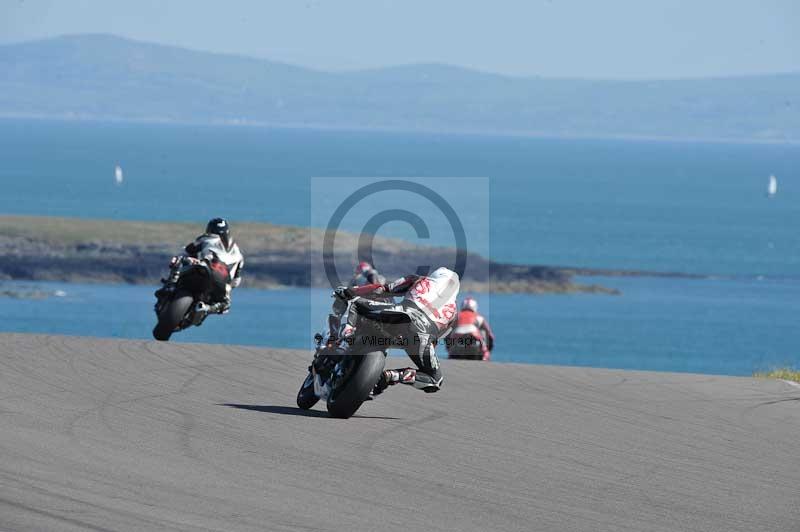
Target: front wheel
306,398
172,315
344,401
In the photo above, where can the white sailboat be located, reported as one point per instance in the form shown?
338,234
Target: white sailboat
772,186
118,178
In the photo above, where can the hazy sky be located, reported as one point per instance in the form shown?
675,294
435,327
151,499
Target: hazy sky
591,39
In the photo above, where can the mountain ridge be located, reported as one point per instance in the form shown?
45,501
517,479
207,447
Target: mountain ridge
99,76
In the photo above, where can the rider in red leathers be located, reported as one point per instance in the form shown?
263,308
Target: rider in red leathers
471,335
366,274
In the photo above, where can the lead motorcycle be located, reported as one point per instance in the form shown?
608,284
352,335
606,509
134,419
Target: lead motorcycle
186,302
347,363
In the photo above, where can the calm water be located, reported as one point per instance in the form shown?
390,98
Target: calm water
698,208
731,327
643,205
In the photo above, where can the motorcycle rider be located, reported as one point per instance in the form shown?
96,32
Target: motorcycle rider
366,274
216,247
425,314
472,326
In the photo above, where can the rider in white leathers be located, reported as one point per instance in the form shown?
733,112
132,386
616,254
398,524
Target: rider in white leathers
425,315
215,246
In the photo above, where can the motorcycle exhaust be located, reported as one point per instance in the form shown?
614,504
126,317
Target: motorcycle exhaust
200,313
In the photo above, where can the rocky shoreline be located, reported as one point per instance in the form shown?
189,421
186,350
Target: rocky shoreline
103,251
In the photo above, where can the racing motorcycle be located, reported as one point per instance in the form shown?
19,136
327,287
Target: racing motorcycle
187,301
346,365
466,343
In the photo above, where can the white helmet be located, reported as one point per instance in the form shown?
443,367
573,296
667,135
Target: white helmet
446,276
447,283
469,303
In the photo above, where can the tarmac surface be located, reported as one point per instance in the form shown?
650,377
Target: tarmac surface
100,434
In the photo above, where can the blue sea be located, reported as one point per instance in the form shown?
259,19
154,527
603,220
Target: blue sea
696,208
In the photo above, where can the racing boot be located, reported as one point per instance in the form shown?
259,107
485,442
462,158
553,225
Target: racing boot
217,308
390,377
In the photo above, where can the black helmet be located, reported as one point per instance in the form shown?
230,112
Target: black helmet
219,226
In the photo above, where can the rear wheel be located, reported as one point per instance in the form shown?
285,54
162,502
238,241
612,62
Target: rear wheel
471,350
466,355
306,398
172,315
344,402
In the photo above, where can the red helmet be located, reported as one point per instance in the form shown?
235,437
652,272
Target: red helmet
363,267
469,303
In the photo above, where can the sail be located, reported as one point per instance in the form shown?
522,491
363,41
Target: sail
772,186
118,178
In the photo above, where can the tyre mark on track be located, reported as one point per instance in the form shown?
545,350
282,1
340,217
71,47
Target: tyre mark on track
54,516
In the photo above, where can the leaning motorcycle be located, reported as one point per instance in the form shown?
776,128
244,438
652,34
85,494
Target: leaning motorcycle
186,301
347,362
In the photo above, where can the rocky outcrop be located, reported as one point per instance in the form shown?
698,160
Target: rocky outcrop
138,253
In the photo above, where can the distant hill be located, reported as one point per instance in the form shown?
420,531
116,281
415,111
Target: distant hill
105,77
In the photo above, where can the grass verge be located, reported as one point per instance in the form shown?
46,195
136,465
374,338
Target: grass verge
786,374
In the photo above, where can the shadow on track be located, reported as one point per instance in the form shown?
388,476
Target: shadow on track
294,411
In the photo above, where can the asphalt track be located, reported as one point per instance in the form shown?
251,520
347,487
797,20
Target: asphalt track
131,435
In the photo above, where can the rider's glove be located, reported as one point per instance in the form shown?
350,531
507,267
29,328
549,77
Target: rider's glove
343,293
